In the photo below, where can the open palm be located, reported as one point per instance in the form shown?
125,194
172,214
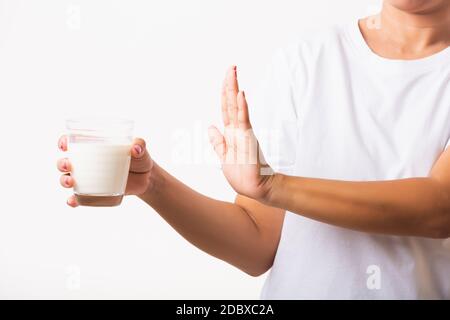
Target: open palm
242,162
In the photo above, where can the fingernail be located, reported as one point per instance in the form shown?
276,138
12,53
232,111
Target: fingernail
138,149
70,202
66,180
64,165
243,94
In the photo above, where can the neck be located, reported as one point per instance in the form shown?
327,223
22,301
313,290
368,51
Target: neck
419,31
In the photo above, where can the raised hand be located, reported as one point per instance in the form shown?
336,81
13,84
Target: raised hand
242,162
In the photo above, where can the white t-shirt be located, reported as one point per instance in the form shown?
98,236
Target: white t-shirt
331,108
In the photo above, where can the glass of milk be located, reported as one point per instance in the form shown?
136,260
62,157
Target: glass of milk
99,153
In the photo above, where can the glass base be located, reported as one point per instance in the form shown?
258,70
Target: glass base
98,201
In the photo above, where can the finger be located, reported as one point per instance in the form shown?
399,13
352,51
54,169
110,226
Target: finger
225,118
140,158
66,181
62,143
72,201
138,148
232,89
243,118
217,140
63,165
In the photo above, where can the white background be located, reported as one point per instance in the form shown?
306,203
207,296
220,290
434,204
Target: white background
160,63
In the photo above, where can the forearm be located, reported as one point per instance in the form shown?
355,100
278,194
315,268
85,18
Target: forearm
413,207
222,229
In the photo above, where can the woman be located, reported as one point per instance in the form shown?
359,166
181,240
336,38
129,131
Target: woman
354,199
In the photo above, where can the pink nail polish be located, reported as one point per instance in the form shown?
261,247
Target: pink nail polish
138,149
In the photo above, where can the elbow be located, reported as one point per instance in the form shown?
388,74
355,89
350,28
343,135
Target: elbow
257,269
256,272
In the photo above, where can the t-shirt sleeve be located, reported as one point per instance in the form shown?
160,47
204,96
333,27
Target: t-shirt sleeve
274,116
447,145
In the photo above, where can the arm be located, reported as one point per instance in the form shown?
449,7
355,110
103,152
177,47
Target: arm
408,207
244,234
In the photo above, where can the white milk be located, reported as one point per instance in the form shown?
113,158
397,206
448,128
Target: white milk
99,169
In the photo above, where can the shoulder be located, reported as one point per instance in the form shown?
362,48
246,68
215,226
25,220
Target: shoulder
313,43
300,58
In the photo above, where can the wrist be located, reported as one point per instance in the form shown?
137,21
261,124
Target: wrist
274,183
155,180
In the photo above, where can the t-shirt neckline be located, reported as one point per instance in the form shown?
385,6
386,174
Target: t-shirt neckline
382,64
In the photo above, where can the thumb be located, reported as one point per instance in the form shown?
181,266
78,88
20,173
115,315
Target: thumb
140,158
217,140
